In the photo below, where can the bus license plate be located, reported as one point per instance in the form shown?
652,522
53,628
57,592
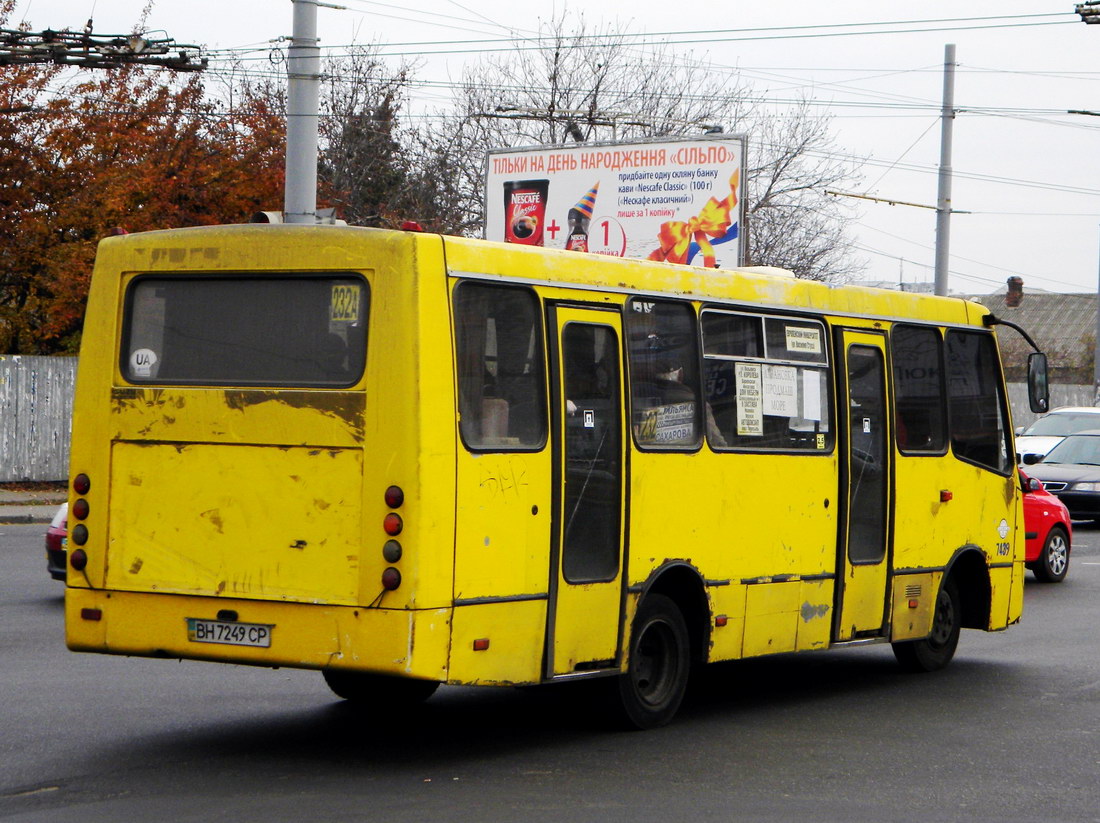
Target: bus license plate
230,634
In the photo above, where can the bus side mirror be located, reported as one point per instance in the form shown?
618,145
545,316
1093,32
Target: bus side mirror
1038,392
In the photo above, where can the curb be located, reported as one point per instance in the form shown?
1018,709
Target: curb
19,516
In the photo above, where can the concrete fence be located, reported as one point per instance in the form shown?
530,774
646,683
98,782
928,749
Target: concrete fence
36,408
36,404
1068,395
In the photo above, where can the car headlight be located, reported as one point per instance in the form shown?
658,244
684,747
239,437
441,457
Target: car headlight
1086,487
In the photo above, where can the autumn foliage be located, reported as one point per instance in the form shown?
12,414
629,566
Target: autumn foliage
135,148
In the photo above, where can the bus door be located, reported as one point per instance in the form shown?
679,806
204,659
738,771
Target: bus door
865,488
586,577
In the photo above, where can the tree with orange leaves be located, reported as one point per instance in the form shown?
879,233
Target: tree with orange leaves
133,148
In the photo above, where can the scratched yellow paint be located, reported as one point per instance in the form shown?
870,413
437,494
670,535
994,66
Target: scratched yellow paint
913,603
513,656
502,525
374,640
183,523
268,502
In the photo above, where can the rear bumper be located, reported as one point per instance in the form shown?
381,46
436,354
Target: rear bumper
413,643
57,563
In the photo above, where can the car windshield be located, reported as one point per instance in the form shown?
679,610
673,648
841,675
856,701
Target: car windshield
1060,425
1083,449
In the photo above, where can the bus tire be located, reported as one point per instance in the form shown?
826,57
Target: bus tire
651,689
382,690
1053,563
935,651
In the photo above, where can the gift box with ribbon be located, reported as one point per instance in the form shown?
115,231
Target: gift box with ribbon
681,240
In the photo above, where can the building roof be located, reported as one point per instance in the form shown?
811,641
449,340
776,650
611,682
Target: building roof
1062,325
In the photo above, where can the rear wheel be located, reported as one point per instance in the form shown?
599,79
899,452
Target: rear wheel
656,678
1053,563
935,651
382,690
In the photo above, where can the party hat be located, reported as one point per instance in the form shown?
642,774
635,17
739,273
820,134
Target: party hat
588,202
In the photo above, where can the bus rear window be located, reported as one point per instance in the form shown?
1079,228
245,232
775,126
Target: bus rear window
303,330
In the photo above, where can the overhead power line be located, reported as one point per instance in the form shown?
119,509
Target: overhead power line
85,50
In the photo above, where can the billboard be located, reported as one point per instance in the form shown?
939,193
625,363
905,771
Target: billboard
678,199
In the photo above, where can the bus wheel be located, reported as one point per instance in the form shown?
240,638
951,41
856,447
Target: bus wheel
935,651
657,673
1053,563
384,691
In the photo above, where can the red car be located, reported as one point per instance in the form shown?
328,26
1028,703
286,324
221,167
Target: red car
1048,532
57,537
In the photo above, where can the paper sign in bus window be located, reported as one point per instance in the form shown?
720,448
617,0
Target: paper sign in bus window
780,387
674,423
802,339
811,394
750,414
344,305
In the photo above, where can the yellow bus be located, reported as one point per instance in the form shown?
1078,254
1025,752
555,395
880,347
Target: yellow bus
404,459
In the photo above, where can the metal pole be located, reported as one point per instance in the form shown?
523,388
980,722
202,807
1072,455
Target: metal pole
303,93
943,202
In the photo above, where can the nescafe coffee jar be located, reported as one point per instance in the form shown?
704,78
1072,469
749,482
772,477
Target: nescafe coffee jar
525,211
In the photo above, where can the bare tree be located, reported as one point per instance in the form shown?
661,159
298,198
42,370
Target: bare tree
362,168
572,85
791,222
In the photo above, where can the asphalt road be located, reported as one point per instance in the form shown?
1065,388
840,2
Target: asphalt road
1009,732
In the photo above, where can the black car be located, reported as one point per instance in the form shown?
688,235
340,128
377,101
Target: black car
1071,470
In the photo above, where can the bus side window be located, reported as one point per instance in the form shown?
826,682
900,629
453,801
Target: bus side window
767,382
501,396
664,374
921,409
976,401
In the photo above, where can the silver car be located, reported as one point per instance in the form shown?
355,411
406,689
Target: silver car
1049,430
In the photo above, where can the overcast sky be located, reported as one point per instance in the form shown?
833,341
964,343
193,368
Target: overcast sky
1026,172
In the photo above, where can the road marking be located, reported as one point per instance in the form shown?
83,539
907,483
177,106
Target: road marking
30,792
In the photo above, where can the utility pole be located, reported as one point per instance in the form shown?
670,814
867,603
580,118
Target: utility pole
943,201
302,98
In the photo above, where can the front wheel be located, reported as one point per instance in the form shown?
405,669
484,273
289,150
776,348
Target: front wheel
656,678
383,691
935,651
1053,563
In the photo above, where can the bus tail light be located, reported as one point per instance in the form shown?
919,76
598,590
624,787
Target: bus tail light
78,559
392,524
395,496
82,483
391,551
391,579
